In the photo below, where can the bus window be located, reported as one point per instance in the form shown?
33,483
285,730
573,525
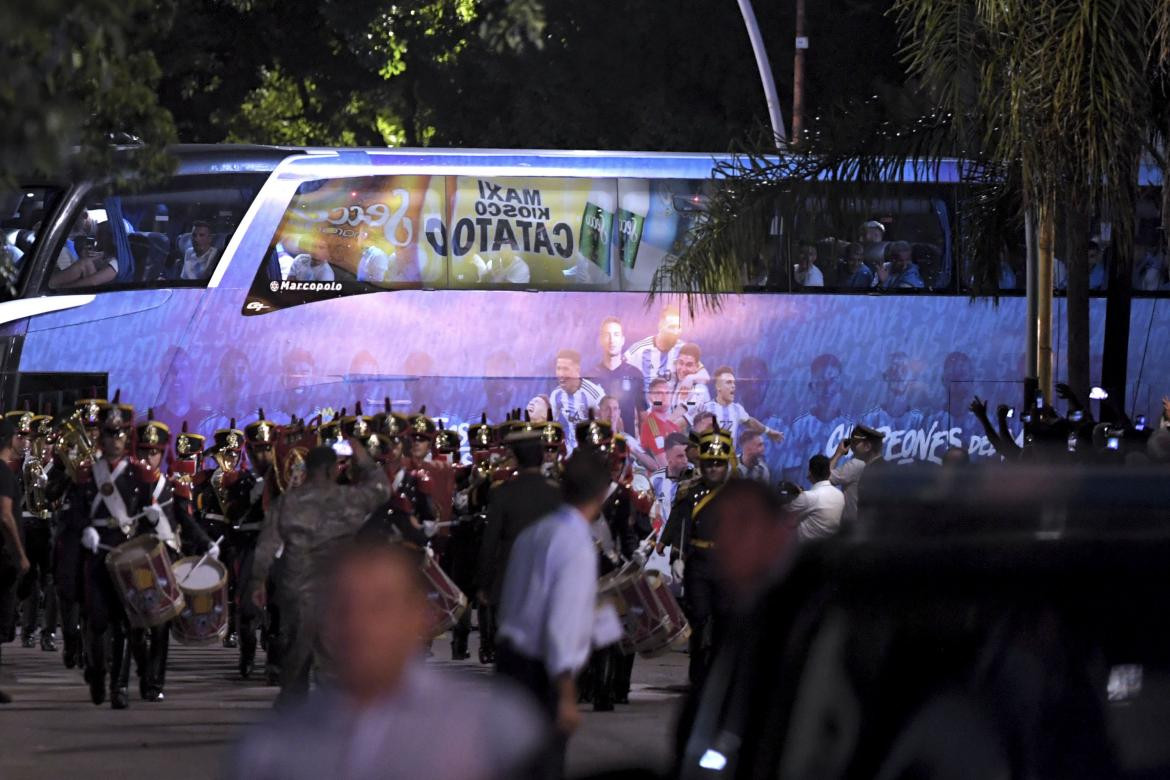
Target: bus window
900,243
22,212
654,220
172,235
547,233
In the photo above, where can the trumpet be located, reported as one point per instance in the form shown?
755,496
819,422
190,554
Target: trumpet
77,450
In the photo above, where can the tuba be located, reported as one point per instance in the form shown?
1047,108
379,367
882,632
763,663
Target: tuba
36,482
77,451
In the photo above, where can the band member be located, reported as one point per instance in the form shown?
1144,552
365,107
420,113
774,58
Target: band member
172,527
223,499
77,449
106,495
690,530
260,440
514,503
44,483
472,482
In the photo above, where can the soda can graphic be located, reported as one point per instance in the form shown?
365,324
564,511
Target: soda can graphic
629,236
593,243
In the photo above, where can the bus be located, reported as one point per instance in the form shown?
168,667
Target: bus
303,281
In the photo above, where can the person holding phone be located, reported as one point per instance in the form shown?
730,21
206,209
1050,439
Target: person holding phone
95,263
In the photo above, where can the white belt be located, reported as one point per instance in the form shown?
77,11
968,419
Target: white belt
214,516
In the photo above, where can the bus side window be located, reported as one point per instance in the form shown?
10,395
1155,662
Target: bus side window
166,236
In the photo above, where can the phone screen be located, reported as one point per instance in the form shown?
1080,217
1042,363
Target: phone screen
343,449
1113,443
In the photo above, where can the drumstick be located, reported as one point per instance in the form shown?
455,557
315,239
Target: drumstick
201,561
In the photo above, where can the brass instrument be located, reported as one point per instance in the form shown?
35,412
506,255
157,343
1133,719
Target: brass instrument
77,450
36,482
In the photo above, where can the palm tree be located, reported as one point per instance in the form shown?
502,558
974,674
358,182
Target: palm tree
1052,102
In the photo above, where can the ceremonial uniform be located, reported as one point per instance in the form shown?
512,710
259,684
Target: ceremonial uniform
691,530
472,485
76,450
107,496
224,501
260,438
155,496
43,482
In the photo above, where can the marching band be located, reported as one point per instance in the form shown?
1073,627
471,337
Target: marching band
138,535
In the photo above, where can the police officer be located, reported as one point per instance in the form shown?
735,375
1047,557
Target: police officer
690,529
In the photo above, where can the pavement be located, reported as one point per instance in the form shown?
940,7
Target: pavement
52,730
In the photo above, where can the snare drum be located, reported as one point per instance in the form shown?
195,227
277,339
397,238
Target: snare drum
142,575
446,602
204,619
652,621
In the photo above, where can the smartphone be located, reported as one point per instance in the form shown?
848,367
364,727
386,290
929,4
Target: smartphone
1027,418
1072,442
1076,415
343,449
1039,400
1140,423
1113,443
1011,412
1098,394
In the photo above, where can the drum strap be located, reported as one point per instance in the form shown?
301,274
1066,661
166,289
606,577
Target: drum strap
114,503
154,513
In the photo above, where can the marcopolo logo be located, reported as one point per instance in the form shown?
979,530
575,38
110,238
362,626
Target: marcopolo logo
287,286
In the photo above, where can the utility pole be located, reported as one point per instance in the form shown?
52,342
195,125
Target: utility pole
769,84
798,74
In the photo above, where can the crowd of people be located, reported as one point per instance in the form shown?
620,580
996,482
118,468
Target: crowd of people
346,547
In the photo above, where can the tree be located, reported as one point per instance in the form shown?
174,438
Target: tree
1050,99
78,79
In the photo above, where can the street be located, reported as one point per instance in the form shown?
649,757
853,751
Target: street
52,730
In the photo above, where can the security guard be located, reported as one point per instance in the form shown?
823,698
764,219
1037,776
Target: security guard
691,530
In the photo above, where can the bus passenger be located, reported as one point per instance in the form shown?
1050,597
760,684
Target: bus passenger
806,272
199,259
306,268
900,273
96,262
858,275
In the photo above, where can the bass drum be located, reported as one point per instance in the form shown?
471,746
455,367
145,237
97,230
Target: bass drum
204,618
652,621
447,603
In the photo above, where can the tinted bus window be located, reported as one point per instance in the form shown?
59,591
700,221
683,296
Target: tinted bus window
171,235
654,220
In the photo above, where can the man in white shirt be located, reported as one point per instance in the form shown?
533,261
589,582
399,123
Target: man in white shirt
306,268
549,599
807,273
866,446
574,396
729,415
818,509
199,259
379,714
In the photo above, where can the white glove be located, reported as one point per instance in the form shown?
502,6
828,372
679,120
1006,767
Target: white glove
90,539
676,569
430,552
153,514
430,528
213,551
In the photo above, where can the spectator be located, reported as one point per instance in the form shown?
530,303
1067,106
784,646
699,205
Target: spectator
379,715
900,273
199,259
657,425
549,599
865,444
751,464
806,272
858,275
818,510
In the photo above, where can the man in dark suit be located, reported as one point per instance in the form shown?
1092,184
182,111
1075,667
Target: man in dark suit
513,505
